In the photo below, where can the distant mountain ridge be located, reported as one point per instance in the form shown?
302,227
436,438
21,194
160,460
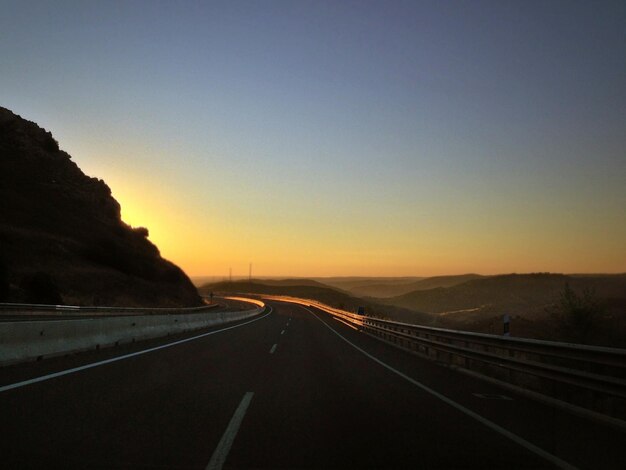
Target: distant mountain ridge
61,235
351,283
510,293
290,282
390,289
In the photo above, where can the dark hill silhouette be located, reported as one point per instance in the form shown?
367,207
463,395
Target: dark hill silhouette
61,235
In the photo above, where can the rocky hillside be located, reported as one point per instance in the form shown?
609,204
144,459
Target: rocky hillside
61,235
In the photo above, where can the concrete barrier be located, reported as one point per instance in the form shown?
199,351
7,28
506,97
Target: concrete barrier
22,341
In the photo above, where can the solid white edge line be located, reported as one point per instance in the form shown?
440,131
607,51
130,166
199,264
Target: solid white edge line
42,378
273,349
508,434
223,447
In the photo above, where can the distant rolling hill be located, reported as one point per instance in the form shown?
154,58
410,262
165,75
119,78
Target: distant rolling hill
62,239
513,293
292,283
479,304
445,281
270,281
361,284
393,288
314,290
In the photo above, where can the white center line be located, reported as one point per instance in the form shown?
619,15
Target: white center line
223,447
273,349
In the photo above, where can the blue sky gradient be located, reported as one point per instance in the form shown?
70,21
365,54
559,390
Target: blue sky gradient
341,138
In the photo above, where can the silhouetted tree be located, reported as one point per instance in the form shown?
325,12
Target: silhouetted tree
141,231
577,317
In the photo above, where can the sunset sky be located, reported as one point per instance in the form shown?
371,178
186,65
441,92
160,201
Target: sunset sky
319,138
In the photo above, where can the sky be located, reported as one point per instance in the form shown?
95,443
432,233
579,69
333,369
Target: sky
340,138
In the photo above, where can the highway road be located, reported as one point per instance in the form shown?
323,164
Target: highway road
290,389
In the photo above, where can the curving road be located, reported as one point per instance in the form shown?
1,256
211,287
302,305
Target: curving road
290,389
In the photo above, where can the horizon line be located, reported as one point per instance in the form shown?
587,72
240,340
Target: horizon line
240,277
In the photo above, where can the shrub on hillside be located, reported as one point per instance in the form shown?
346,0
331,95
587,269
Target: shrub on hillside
577,317
141,231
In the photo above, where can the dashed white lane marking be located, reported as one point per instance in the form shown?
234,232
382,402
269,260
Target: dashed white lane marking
223,447
119,358
505,432
273,349
282,332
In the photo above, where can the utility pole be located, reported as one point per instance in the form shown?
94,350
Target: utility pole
250,273
230,274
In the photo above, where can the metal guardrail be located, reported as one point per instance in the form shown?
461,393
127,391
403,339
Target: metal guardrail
587,377
248,300
56,310
36,336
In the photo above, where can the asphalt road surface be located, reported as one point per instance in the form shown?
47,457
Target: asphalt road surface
290,389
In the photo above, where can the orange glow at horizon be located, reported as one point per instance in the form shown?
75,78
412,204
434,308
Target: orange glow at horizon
211,242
